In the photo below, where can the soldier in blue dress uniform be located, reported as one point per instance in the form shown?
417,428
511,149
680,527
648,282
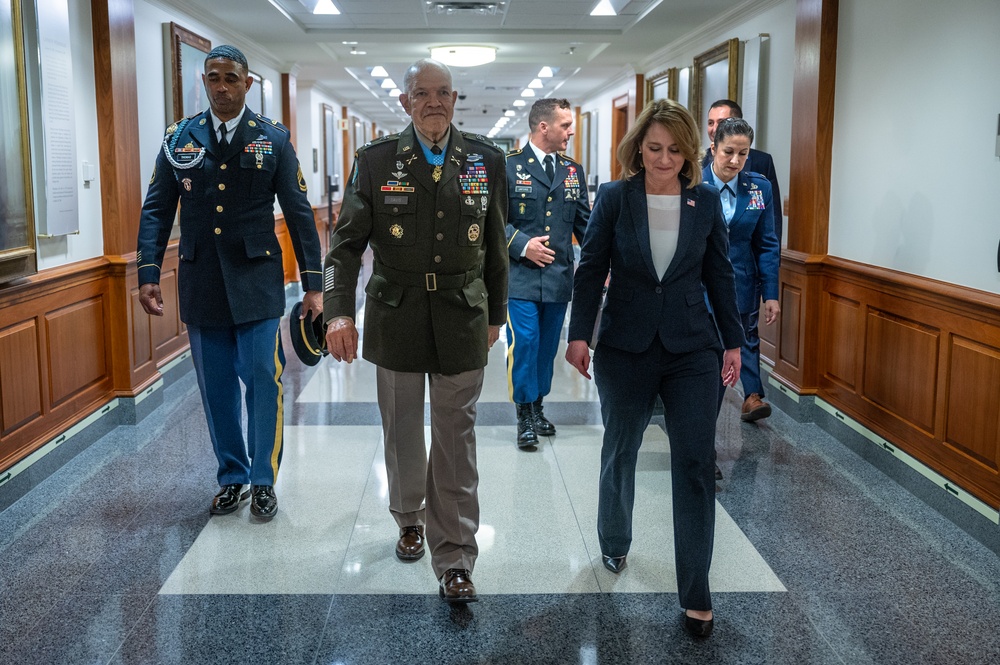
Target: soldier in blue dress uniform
548,206
225,166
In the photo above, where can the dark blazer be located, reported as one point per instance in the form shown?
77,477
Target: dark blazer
440,255
230,261
559,209
762,163
753,247
641,306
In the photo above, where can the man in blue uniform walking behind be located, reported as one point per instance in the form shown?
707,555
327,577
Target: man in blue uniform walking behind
548,206
226,165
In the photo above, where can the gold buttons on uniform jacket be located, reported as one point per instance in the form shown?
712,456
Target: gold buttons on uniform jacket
268,252
218,208
546,243
549,199
440,214
218,231
548,213
437,259
440,236
221,186
548,228
223,167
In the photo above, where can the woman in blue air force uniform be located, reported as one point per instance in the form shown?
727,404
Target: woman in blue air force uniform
661,235
748,209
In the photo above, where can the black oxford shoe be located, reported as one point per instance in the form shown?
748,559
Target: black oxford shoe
264,503
410,546
543,427
697,627
615,564
456,586
228,499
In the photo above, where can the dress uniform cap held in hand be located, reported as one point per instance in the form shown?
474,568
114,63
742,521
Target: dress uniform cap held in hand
308,336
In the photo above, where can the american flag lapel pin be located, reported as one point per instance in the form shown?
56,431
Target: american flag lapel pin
691,202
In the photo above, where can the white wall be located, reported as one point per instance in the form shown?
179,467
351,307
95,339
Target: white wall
775,108
914,175
151,74
53,252
600,108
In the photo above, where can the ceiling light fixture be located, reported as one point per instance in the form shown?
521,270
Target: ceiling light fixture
536,84
527,92
388,84
545,73
509,113
464,56
395,92
326,7
519,102
355,51
603,8
378,72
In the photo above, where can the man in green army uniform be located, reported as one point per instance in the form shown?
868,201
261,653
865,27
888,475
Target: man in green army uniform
431,202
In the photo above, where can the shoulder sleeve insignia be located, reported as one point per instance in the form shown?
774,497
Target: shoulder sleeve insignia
302,180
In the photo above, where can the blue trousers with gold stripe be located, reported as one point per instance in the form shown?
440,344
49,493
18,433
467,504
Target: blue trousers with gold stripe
250,353
533,330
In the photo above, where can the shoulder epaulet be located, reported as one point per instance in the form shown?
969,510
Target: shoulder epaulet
479,138
179,124
380,140
563,155
514,152
271,123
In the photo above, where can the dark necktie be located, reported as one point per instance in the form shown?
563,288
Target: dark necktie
550,170
436,149
223,142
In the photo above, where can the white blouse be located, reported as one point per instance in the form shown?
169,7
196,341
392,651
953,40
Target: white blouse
664,212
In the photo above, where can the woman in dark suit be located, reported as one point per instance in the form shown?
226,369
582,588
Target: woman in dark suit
748,208
661,235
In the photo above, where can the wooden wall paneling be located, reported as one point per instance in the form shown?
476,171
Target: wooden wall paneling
842,340
768,336
901,367
20,375
76,348
973,409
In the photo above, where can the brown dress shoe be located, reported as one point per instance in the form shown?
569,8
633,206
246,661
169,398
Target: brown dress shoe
410,546
456,586
754,408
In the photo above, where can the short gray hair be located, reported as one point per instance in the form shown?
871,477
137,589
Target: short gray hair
418,67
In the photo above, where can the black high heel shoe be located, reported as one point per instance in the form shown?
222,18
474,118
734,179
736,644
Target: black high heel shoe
697,627
615,564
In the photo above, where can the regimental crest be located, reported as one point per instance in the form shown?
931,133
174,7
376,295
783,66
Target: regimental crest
186,182
396,231
474,233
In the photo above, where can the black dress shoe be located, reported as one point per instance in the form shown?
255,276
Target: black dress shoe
228,499
456,586
615,564
526,437
542,425
697,627
410,546
264,503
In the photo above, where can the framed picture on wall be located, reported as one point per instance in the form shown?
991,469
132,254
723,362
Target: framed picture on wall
256,99
17,230
716,76
186,60
584,131
662,86
329,147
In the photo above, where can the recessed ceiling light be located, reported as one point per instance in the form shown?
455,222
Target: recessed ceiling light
349,43
509,113
536,83
355,51
545,73
395,92
464,56
388,84
326,7
603,8
378,72
527,92
519,102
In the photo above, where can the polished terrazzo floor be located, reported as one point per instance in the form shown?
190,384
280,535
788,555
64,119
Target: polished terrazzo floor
820,558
